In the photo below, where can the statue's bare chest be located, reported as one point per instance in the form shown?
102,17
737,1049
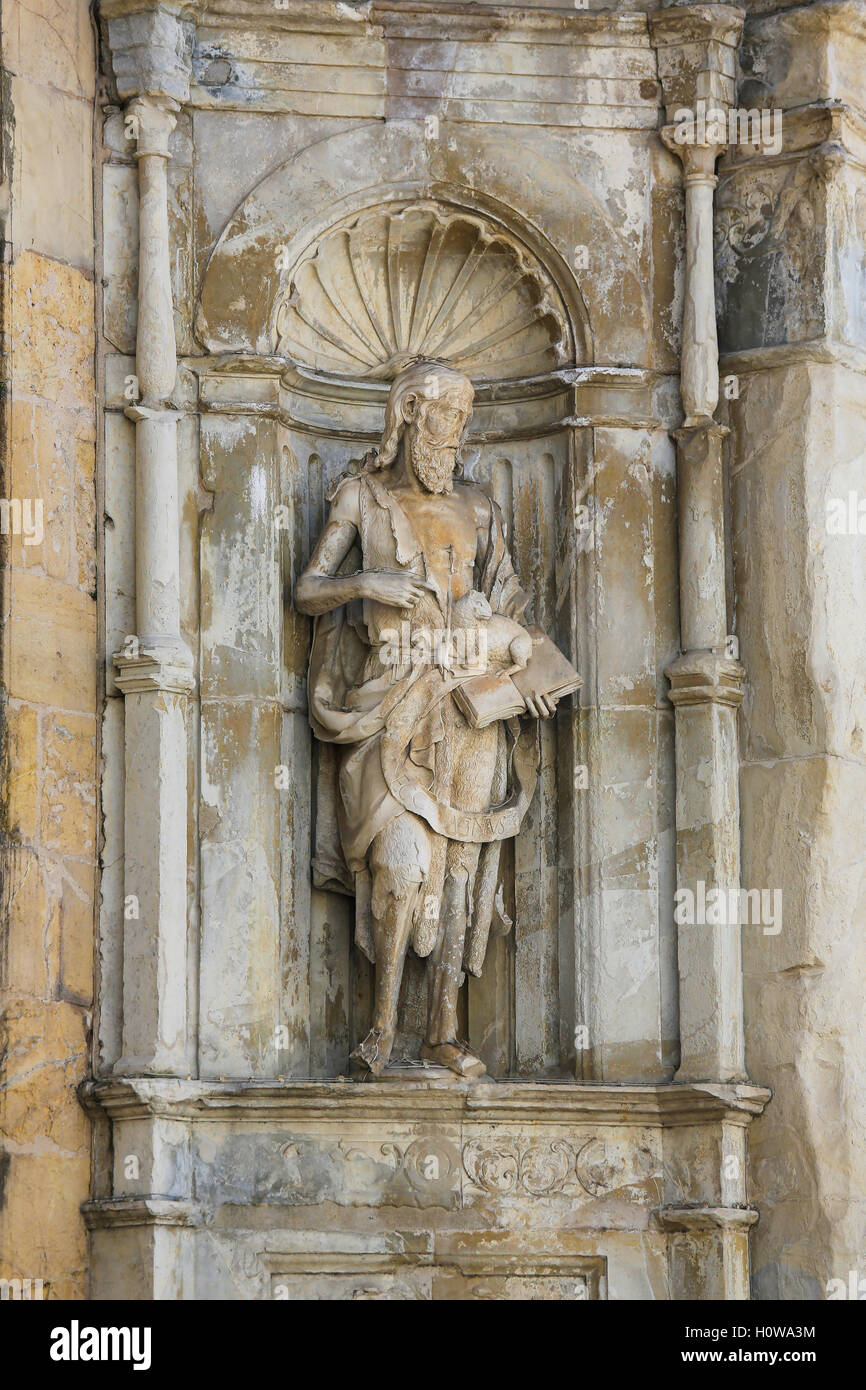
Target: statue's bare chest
447,529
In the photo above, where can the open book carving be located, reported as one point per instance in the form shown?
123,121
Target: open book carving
500,695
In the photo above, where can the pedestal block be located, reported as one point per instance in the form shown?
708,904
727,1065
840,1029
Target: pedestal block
421,1190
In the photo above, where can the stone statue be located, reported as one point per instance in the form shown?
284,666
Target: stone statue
416,600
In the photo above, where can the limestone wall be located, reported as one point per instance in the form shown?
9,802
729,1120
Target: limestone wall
48,782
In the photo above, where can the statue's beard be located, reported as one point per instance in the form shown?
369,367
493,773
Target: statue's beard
434,467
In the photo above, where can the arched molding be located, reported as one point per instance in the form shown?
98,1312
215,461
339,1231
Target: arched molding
518,190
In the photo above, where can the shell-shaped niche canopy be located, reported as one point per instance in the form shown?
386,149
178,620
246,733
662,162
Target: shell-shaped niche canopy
420,279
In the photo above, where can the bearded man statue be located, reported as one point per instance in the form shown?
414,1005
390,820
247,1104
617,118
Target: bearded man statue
423,799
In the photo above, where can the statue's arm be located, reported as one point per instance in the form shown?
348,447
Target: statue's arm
321,588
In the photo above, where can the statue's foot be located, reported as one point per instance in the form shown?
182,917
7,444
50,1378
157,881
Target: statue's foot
457,1056
372,1054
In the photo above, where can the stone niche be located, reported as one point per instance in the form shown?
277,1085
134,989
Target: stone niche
405,275
309,302
323,230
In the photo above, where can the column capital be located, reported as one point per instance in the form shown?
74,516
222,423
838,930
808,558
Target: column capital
155,119
698,157
151,53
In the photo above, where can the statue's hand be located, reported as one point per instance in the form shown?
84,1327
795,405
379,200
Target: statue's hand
540,706
398,590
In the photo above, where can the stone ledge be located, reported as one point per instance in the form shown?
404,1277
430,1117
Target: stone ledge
659,1105
806,353
706,1218
835,129
471,1254
589,396
111,1212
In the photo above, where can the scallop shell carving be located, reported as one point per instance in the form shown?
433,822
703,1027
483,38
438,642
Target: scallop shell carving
421,280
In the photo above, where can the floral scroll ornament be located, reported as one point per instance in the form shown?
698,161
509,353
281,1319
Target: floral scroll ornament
759,220
539,1168
424,1161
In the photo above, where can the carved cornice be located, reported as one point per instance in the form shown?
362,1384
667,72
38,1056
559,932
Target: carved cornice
225,387
427,16
446,1102
388,16
590,397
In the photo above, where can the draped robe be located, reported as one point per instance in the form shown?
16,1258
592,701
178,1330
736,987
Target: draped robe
380,727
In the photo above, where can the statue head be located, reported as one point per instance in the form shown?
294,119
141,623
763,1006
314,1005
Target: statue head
428,409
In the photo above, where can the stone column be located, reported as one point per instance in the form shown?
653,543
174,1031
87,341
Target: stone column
155,668
697,63
706,681
699,368
156,516
706,690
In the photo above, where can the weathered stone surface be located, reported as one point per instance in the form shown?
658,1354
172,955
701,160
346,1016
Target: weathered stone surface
51,639
430,1190
52,303
49,43
282,144
54,211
